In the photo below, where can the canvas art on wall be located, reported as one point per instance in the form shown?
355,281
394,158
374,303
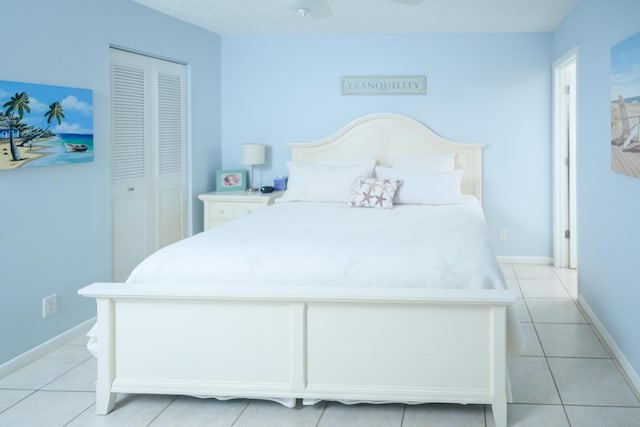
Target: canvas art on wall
44,125
625,106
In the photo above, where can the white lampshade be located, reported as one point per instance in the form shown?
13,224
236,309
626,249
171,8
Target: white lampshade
253,154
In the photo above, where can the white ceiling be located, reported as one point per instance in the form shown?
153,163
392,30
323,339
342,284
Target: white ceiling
232,17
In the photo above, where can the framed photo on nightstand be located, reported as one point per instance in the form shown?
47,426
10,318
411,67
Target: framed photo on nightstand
231,180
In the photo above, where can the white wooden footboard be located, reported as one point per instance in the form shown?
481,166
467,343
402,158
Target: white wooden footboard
390,345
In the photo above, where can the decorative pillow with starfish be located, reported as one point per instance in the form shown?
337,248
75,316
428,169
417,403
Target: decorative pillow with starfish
374,193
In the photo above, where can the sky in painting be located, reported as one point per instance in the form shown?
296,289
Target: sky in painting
77,105
625,68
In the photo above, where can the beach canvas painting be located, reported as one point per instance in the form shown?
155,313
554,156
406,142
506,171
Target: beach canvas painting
625,106
43,125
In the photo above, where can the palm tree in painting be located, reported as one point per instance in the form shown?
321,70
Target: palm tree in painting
18,103
55,112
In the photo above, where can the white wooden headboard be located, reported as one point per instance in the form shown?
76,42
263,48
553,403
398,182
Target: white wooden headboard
375,135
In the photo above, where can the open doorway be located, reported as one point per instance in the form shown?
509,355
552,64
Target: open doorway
564,125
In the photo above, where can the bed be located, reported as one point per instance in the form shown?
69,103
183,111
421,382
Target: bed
276,325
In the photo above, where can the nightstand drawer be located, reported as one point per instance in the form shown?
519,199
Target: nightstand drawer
226,206
242,209
220,210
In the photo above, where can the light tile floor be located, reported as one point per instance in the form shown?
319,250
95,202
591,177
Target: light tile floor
566,377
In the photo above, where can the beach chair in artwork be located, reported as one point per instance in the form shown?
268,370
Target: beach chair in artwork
630,132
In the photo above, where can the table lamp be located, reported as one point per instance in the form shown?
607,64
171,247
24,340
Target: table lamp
253,154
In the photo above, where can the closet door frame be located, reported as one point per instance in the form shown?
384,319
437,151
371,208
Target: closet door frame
149,174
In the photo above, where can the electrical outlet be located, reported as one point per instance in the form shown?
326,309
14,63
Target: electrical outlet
49,305
502,234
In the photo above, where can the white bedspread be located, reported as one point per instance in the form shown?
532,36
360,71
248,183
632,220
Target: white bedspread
329,244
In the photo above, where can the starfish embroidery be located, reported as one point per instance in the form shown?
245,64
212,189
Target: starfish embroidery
366,197
371,183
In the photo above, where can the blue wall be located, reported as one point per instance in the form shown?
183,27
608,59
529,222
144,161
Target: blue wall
488,88
608,202
55,230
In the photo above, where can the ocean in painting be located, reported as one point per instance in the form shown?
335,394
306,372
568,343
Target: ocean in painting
57,151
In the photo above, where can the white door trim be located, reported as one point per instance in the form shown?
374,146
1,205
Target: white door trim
564,160
149,172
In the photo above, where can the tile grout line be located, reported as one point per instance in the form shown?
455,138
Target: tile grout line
486,410
617,365
610,352
80,413
326,404
601,341
162,412
240,414
546,359
485,418
404,411
41,388
24,398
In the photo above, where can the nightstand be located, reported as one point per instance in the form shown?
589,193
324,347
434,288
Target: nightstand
227,206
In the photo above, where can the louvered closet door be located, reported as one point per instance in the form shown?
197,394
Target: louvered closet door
148,157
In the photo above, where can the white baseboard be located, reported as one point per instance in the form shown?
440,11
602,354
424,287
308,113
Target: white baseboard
44,348
546,260
630,373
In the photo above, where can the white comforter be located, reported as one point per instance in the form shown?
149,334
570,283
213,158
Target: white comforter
329,244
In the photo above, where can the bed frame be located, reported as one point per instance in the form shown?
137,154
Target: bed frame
381,345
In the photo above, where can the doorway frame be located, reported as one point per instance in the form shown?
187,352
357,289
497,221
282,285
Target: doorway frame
564,161
151,187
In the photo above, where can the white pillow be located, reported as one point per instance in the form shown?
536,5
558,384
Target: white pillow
431,162
317,182
427,188
345,162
